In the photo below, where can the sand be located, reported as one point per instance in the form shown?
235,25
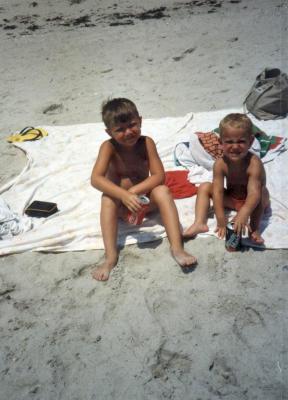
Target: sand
150,332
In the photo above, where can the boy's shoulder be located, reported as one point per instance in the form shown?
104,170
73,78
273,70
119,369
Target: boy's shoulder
254,164
107,147
220,163
254,160
108,143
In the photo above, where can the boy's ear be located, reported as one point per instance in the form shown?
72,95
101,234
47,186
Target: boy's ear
252,139
140,119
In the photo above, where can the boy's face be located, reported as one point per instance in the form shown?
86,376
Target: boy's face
236,143
126,133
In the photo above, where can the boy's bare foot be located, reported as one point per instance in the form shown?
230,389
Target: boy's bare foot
183,258
102,272
256,237
194,229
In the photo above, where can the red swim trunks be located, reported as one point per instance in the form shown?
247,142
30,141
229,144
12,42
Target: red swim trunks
179,185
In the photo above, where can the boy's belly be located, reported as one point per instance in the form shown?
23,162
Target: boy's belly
238,192
124,179
129,181
235,199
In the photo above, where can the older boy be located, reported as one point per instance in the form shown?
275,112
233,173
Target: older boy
245,189
127,166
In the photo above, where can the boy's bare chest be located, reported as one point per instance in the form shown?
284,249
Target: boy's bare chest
130,164
237,181
237,177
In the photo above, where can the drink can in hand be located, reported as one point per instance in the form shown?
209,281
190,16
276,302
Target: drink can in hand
137,218
232,241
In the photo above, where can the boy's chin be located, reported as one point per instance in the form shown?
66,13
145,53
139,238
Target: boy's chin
236,156
131,143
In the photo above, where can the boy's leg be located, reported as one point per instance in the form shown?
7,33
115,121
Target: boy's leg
199,225
109,228
162,198
256,216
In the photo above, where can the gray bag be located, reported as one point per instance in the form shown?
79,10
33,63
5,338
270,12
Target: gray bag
268,97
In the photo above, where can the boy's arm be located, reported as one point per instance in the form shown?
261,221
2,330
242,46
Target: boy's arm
218,197
254,188
105,185
156,169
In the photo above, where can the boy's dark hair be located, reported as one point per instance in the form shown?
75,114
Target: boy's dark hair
236,120
119,110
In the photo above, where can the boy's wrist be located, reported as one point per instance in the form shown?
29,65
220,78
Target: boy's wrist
243,212
221,218
221,222
132,190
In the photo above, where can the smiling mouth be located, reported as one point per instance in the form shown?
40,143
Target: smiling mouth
235,155
131,140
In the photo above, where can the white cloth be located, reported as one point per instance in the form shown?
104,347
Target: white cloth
192,156
59,168
12,224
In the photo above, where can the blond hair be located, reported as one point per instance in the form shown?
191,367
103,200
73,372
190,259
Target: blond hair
236,120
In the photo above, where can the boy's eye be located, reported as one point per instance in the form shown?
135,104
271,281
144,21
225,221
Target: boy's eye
118,130
241,141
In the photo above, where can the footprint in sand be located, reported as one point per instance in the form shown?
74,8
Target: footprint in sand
223,379
169,363
5,287
249,327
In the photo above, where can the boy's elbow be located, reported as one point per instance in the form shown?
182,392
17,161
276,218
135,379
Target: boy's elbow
257,198
93,181
162,178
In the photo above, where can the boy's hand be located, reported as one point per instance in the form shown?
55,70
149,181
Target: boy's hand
221,231
221,226
131,201
240,222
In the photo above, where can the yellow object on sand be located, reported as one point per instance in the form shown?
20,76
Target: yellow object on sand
28,133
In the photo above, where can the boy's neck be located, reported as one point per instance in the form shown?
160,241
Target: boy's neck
126,149
238,163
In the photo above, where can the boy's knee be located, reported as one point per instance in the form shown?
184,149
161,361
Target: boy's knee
205,187
161,190
108,201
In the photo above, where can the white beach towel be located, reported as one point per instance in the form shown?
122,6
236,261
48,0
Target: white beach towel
59,168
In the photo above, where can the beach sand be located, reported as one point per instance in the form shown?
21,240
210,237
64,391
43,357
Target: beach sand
152,331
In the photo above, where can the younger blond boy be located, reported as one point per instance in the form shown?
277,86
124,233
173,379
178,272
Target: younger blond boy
128,165
245,190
